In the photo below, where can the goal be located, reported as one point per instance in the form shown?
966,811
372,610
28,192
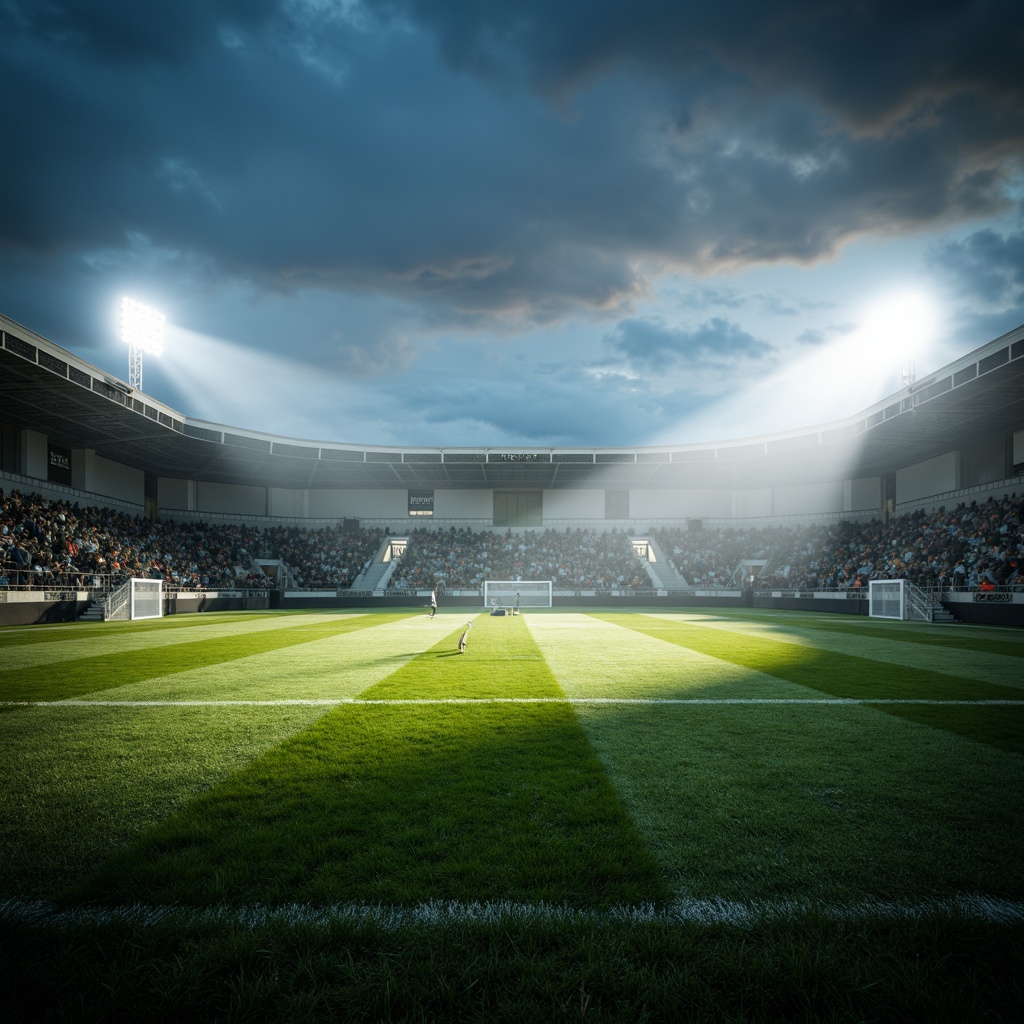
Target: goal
886,599
136,599
510,593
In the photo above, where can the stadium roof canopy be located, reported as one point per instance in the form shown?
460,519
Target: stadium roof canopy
46,388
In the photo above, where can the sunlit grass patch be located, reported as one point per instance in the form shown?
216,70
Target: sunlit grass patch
332,663
96,639
501,660
82,675
903,643
594,658
849,676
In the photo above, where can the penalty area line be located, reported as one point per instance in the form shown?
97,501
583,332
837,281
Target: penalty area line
441,913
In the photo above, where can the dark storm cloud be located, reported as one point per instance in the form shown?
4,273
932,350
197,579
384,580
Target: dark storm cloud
986,265
870,61
305,145
651,345
133,32
985,270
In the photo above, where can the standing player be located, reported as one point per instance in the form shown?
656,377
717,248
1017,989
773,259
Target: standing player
433,603
462,639
515,611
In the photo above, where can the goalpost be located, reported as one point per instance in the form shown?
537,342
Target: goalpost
886,599
513,593
136,599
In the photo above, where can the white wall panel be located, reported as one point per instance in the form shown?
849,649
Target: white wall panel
583,504
923,479
808,499
865,493
680,504
463,504
172,494
231,499
118,481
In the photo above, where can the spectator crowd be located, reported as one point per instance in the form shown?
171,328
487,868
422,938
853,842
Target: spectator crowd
573,560
48,544
51,545
970,547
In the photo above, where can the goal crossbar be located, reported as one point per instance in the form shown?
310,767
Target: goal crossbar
517,594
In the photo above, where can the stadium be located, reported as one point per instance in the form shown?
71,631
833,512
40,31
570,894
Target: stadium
563,559
639,846
951,439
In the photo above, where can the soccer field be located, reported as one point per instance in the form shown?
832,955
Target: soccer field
595,816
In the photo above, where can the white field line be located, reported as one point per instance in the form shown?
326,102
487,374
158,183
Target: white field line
334,702
442,913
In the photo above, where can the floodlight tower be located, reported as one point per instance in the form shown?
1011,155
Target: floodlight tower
909,370
142,329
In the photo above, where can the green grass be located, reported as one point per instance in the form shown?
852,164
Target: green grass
851,676
541,848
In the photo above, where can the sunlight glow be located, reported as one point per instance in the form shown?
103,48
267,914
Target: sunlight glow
226,382
898,328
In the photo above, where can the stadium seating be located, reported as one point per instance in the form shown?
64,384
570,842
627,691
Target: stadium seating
47,544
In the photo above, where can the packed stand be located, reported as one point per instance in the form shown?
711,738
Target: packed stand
971,547
571,559
55,545
330,558
51,545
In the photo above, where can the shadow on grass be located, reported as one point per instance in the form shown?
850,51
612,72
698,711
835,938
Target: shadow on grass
401,805
406,804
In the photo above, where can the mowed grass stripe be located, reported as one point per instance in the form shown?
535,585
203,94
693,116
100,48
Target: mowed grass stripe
847,675
337,665
770,803
76,676
49,633
591,658
408,804
86,643
501,660
891,650
79,783
953,638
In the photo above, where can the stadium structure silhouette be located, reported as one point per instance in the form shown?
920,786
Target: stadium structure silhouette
74,432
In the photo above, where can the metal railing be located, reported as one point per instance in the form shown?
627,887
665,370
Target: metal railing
117,604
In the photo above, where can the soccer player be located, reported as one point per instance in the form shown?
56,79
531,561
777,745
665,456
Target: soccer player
462,639
433,603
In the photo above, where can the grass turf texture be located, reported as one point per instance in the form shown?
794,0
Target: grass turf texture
591,806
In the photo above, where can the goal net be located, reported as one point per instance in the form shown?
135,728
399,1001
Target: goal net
517,594
135,599
886,599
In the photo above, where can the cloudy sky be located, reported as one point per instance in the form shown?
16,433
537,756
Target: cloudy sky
450,222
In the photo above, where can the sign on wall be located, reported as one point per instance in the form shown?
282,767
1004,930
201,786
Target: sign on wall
421,503
58,465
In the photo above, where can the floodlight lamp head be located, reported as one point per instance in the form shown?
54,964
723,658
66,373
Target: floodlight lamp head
142,327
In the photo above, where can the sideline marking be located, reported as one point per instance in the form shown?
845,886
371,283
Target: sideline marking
440,913
338,701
